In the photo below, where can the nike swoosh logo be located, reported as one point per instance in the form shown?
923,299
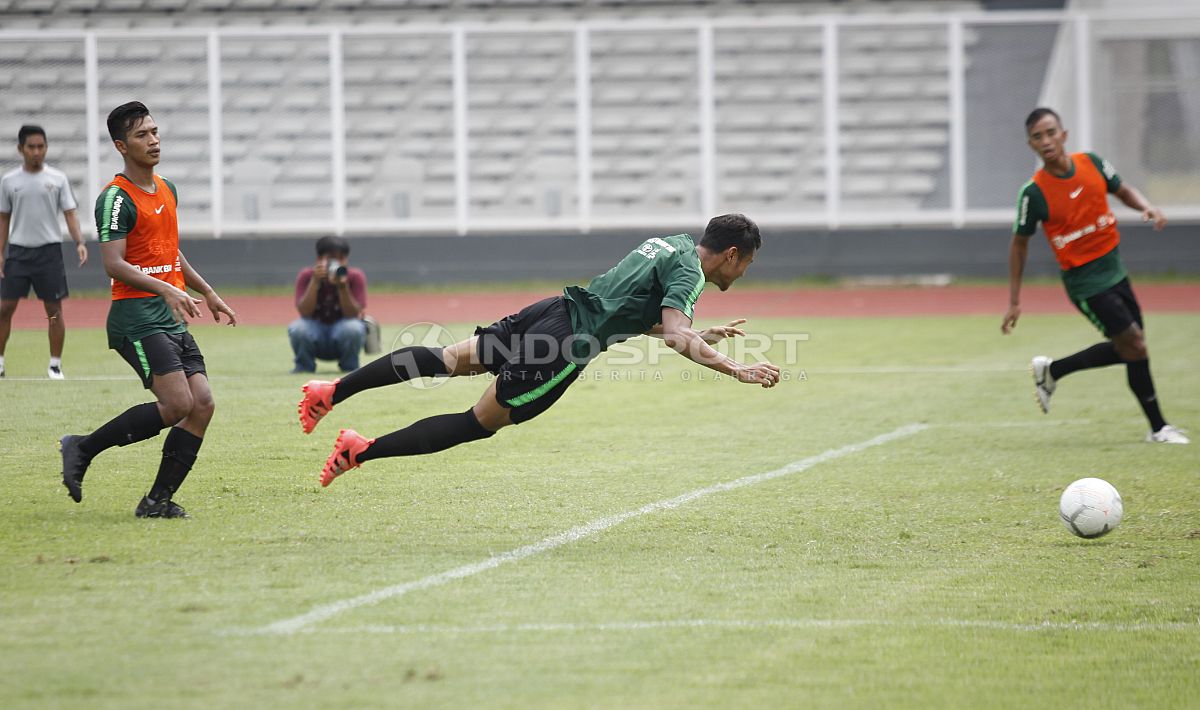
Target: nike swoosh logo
1076,192
159,210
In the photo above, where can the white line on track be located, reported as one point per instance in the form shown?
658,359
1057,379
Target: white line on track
752,624
328,611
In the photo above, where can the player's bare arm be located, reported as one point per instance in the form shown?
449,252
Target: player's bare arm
679,335
1134,199
1018,251
712,335
194,281
76,236
112,253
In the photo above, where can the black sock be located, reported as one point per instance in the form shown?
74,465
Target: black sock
179,454
428,436
400,366
1099,355
138,423
1142,385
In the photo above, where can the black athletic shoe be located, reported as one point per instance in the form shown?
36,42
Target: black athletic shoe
160,509
75,464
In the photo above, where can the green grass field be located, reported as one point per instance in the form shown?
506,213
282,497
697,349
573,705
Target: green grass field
929,570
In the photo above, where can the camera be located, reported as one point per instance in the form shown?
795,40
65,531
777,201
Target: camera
335,269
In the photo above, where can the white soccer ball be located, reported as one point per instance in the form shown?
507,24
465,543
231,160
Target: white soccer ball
1090,507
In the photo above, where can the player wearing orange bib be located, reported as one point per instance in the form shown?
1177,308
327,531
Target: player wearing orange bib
139,242
1069,196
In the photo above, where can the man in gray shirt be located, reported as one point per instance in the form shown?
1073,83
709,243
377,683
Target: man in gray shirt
31,197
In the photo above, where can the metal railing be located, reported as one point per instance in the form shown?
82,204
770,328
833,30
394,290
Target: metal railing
879,128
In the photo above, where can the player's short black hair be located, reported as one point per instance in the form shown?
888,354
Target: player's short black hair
732,230
1038,114
30,130
330,245
125,117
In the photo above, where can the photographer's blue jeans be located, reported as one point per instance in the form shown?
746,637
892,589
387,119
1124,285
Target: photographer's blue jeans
313,340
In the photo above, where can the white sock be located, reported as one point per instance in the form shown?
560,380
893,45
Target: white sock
56,362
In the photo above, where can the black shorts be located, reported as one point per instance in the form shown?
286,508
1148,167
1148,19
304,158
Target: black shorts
1112,310
163,353
529,353
39,267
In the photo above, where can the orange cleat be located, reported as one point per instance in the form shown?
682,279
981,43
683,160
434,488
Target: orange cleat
316,402
346,450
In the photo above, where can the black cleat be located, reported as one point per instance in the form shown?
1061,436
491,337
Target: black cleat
75,464
160,509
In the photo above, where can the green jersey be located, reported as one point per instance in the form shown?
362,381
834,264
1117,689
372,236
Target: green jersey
628,299
1094,277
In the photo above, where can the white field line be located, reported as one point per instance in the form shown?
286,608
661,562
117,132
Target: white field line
752,624
916,369
1032,424
938,369
328,611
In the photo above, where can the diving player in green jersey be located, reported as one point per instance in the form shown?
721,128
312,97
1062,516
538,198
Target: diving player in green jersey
537,353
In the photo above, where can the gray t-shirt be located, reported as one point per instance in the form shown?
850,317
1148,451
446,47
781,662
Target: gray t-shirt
36,202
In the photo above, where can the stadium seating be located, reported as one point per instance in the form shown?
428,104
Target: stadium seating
399,108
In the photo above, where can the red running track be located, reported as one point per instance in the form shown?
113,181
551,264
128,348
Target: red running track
483,308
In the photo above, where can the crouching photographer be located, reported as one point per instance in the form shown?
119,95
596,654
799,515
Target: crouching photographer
331,297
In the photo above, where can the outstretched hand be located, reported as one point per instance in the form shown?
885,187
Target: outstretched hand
1154,215
1010,319
717,333
217,307
760,373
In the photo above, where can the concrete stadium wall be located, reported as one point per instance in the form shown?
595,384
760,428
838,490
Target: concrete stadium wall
447,259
